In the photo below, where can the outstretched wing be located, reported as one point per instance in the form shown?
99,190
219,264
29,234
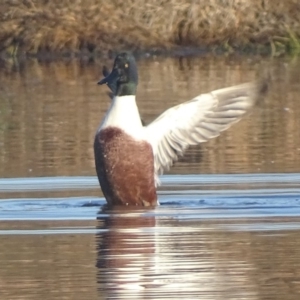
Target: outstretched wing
199,120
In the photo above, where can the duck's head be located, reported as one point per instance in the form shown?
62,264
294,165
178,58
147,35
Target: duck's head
123,78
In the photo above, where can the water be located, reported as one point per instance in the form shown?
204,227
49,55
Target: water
229,222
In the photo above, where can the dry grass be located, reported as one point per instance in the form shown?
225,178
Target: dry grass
92,26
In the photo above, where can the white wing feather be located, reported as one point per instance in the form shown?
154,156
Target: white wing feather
198,120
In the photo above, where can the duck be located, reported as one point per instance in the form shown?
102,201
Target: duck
129,156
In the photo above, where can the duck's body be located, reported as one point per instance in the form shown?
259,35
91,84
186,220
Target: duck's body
124,158
129,156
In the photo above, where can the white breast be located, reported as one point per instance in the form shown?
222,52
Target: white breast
123,113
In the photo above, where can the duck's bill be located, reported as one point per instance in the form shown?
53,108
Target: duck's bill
111,78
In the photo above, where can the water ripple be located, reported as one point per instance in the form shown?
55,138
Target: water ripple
178,181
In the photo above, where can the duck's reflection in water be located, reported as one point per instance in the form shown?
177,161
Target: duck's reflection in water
126,249
142,254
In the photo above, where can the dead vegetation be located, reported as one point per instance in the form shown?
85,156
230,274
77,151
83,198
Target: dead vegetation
95,26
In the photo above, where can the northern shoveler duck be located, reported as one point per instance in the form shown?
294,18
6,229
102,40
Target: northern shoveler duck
129,156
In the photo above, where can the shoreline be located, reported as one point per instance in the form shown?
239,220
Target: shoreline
96,28
146,53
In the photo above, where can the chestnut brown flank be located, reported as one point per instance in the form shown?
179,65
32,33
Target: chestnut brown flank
125,168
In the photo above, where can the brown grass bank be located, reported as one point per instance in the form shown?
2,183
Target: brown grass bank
95,26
